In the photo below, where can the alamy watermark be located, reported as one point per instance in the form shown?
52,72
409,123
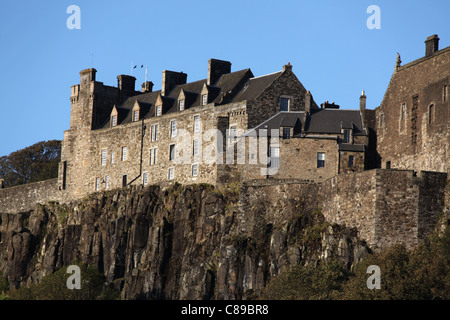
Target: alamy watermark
74,281
74,20
374,21
374,281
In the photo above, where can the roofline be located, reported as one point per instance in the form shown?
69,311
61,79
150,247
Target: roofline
276,114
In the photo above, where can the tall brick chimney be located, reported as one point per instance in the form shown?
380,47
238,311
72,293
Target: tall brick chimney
216,68
431,45
126,83
147,86
171,79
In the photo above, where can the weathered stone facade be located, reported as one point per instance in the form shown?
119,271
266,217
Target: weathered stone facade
201,132
413,118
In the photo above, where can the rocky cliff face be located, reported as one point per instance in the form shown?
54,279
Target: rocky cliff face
183,242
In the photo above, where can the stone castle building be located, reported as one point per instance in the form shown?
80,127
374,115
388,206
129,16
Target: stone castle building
233,127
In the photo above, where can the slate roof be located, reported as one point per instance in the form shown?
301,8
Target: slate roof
231,87
333,120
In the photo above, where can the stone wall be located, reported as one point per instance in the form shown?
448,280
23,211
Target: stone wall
386,206
413,119
24,197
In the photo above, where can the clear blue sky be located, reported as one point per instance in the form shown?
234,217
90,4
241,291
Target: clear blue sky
332,51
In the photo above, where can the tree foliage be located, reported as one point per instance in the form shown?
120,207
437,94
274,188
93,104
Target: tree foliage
54,287
31,164
419,274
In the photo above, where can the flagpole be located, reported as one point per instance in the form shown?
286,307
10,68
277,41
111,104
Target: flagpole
146,68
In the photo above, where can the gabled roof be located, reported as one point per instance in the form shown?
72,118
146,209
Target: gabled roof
255,86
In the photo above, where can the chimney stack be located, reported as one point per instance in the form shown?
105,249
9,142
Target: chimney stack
216,68
362,101
308,102
171,79
431,45
147,86
126,83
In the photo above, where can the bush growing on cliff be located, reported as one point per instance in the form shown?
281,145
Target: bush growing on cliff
54,287
420,274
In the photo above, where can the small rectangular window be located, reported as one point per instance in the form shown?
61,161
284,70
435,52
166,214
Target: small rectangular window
136,115
112,157
145,178
382,120
286,133
445,93
124,180
321,160
171,173
124,153
351,161
204,99
114,121
181,105
104,157
158,110
195,170
107,182
171,152
346,136
284,104
173,129
403,112
196,123
195,147
155,155
97,184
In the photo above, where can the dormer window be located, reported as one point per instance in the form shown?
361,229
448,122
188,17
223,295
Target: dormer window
114,115
113,121
158,110
286,133
136,115
204,100
347,135
181,105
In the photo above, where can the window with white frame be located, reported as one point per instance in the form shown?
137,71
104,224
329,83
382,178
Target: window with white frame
195,147
145,178
153,156
195,170
158,110
204,99
181,105
124,153
113,157
171,173
97,183
173,128
104,157
347,136
154,132
107,182
136,115
196,123
113,121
